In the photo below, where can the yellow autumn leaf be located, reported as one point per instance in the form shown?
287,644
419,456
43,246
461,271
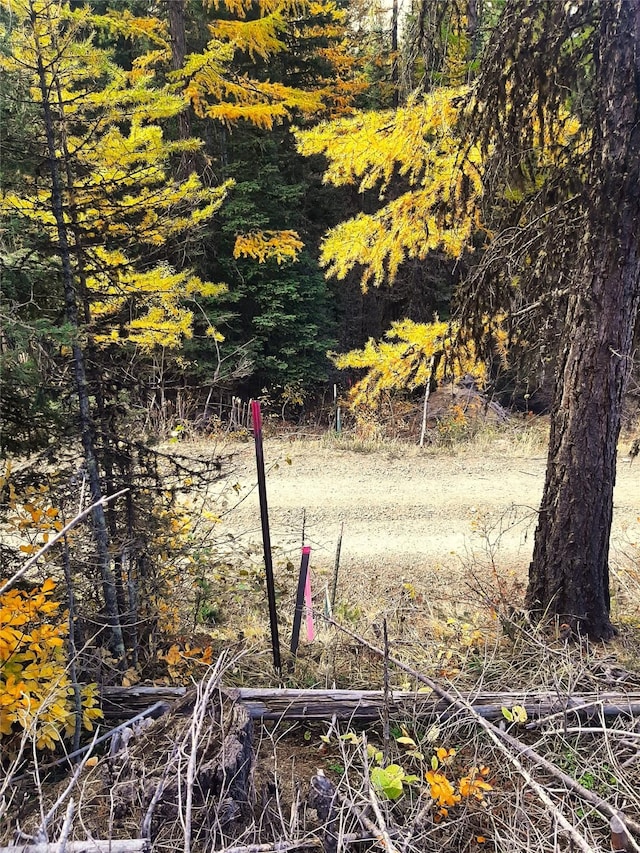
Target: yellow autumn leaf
441,790
173,656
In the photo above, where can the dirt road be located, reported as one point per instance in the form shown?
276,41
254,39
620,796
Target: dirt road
428,519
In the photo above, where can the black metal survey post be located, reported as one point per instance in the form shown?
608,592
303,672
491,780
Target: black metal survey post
297,616
266,536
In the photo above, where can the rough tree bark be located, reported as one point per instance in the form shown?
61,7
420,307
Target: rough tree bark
395,67
101,535
176,18
569,574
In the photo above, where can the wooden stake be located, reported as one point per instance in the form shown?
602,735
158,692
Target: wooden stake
425,407
336,569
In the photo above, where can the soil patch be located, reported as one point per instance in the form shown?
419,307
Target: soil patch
431,520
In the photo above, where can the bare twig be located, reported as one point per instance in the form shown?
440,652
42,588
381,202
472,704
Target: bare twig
502,738
375,805
197,722
386,738
61,533
381,837
66,827
41,833
148,712
145,829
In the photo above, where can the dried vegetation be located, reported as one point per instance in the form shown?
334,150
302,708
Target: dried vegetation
208,774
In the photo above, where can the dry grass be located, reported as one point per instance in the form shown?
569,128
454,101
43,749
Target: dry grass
113,797
516,437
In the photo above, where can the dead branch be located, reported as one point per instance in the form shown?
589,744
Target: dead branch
118,702
289,704
285,704
66,827
501,738
375,805
41,833
59,535
381,836
275,846
91,845
154,711
198,720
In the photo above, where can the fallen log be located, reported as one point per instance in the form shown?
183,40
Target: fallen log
113,845
268,703
367,705
119,702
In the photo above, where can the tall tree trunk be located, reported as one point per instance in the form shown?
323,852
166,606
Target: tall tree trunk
473,27
103,445
395,59
176,14
101,535
569,573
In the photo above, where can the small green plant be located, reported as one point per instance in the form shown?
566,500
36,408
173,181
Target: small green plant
517,714
390,780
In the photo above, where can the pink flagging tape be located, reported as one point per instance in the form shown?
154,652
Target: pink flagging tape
308,601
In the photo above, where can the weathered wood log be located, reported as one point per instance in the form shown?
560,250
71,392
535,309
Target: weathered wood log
118,702
114,845
366,705
276,846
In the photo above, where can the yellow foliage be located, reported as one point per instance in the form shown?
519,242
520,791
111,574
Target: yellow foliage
30,515
410,355
257,38
261,103
117,186
181,663
36,695
156,298
445,756
441,790
218,94
474,784
317,27
280,246
417,142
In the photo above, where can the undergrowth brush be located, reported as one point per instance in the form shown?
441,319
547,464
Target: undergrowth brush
419,777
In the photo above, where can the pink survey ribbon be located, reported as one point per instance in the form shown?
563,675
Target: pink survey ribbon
308,601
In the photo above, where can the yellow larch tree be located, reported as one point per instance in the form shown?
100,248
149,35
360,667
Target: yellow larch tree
100,209
120,203
231,81
410,357
418,143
